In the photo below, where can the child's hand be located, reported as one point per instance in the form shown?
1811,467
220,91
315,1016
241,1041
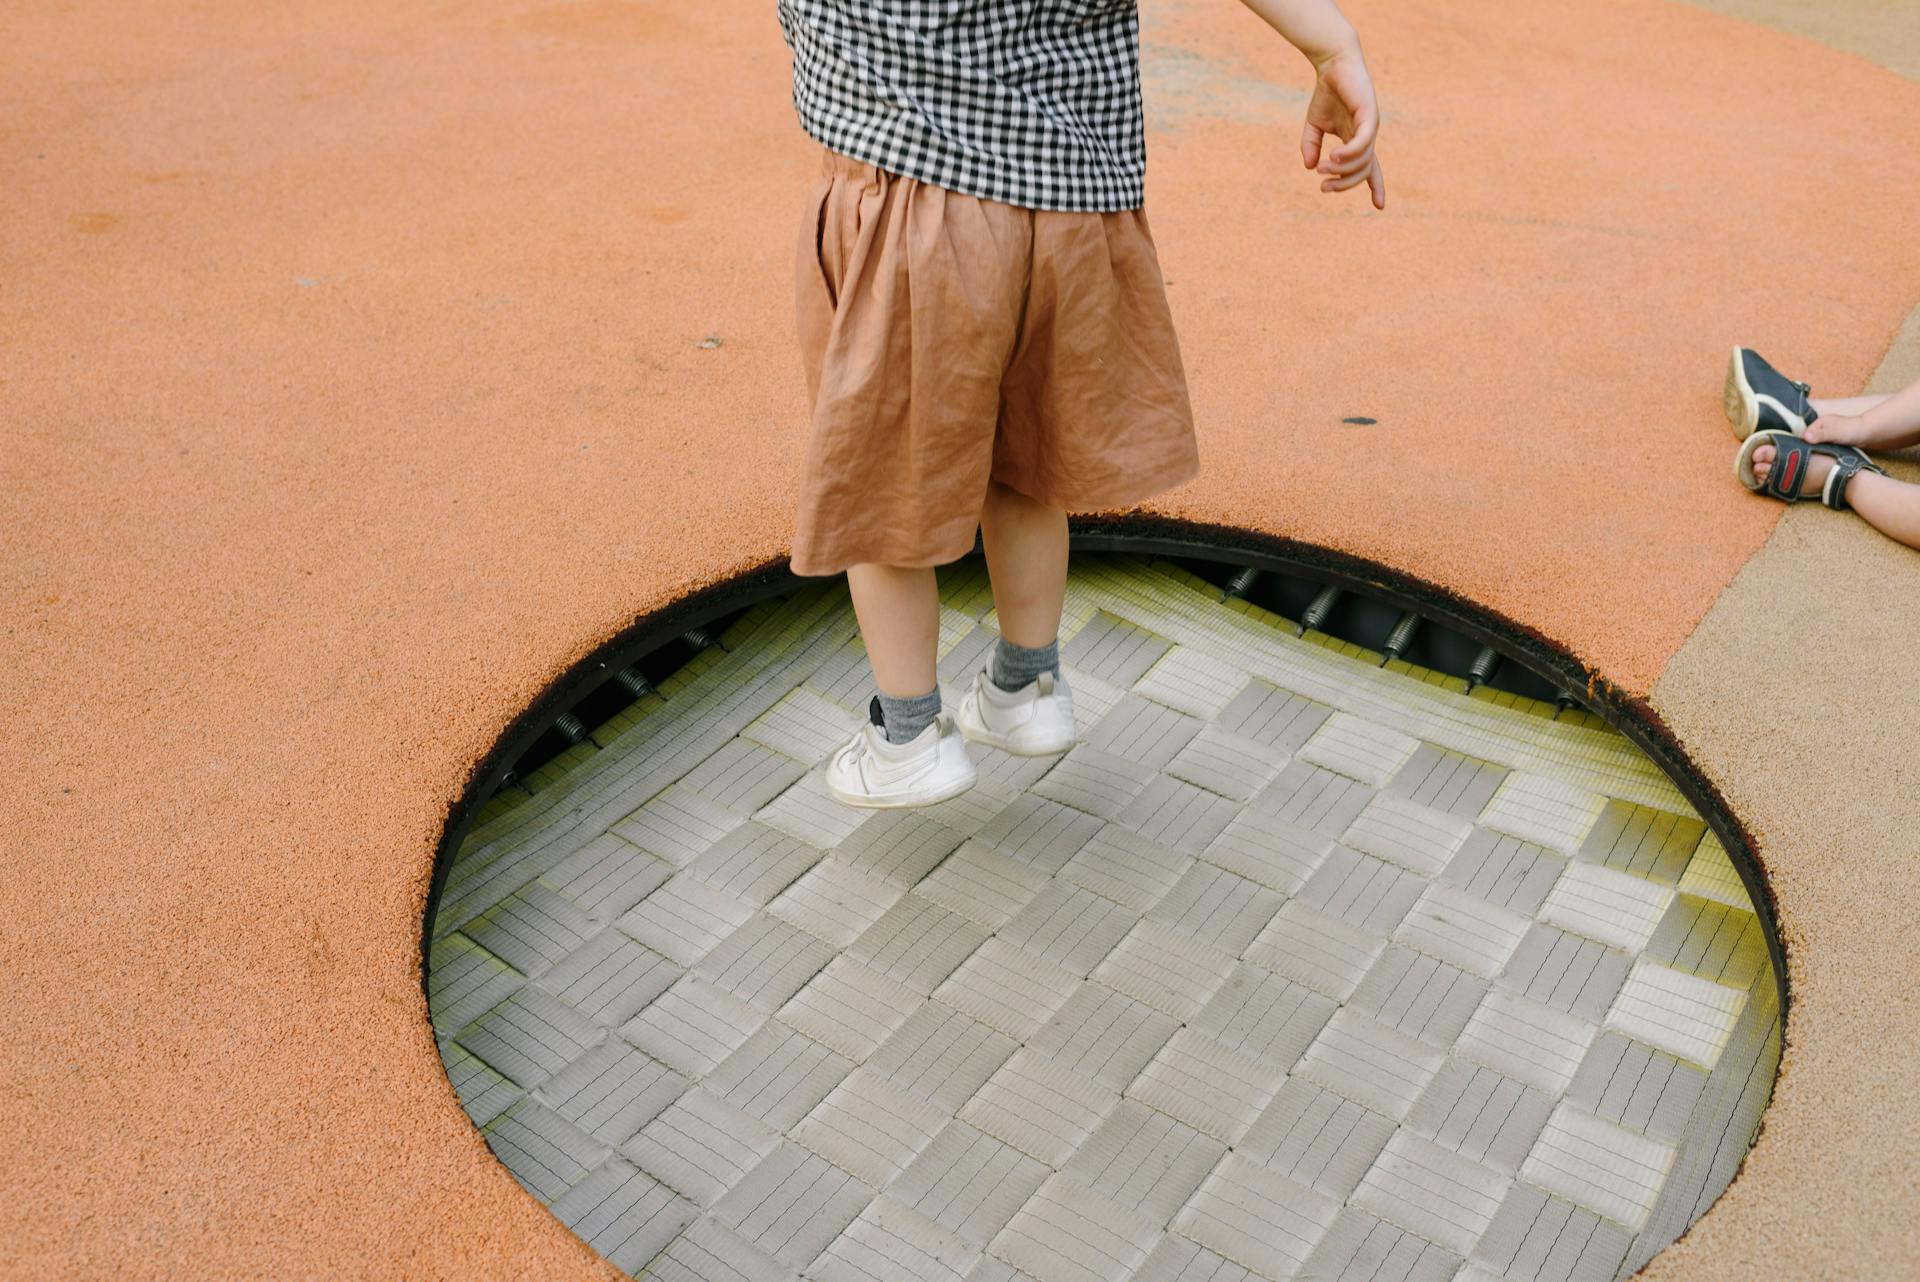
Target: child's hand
1841,430
1343,105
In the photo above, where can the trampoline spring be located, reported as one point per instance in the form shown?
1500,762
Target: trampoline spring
570,728
1401,637
1242,583
633,682
1567,701
697,638
1480,671
1319,608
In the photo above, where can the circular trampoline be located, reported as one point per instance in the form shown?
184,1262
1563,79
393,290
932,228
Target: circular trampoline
1339,947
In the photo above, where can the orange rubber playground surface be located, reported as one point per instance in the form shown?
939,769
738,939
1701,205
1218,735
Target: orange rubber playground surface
363,367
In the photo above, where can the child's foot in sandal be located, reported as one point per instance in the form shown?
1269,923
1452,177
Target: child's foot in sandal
1789,467
1759,398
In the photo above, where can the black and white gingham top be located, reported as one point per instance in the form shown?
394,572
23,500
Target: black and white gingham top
1029,102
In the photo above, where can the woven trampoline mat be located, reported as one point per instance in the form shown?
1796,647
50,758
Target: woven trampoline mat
1297,966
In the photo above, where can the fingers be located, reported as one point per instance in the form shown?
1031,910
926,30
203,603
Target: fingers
1311,139
1377,184
1356,152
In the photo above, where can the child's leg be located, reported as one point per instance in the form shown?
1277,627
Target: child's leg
1026,543
1889,506
1847,406
899,613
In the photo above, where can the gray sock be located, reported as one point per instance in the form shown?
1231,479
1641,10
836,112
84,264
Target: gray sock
1016,666
902,719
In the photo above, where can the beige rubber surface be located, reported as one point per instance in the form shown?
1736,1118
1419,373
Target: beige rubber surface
1825,616
352,385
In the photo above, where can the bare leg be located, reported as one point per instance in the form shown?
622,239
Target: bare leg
1026,544
1847,406
899,613
1889,506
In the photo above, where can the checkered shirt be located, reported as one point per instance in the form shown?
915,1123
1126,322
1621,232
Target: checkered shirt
1030,102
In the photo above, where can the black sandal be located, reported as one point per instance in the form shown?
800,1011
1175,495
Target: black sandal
1793,458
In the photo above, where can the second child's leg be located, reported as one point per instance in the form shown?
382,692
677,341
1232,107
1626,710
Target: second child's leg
1889,506
1026,545
899,613
1871,422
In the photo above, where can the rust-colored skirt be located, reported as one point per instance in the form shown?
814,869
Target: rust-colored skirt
950,339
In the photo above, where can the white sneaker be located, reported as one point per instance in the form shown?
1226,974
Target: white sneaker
930,767
1034,721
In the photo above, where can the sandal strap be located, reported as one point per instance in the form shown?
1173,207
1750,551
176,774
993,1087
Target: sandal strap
1848,462
1788,475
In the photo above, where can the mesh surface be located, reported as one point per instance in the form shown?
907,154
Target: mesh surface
1295,966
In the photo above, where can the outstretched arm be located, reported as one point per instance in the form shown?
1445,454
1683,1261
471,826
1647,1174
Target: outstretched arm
1892,423
1343,103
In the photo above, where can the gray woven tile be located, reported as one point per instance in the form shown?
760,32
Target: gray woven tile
753,863
834,903
1217,907
1316,1138
481,1091
743,776
1114,650
1230,765
851,1007
1504,871
611,1091
693,1026
1165,969
1566,972
1308,796
1274,853
541,1149
1364,1248
624,1215
765,962
1179,815
1143,731
1040,834
610,977
1641,1088
1041,1107
1121,865
1324,953
1145,1161
708,1250
678,825
1278,718
1419,995
941,1055
917,943
532,928
777,1075
1192,682
608,875
1105,1034
969,1183
465,981
792,1204
982,885
1361,890
1416,837
1248,1212
807,812
889,1242
1645,842
1177,1259
1447,781
1725,945
1069,926
1478,1113
1209,1086
1068,1233
1462,930
1097,782
899,846
1536,1235
804,725
1259,1014
1432,1191
700,1146
684,920
1371,1064
1008,988
870,1127
530,1036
